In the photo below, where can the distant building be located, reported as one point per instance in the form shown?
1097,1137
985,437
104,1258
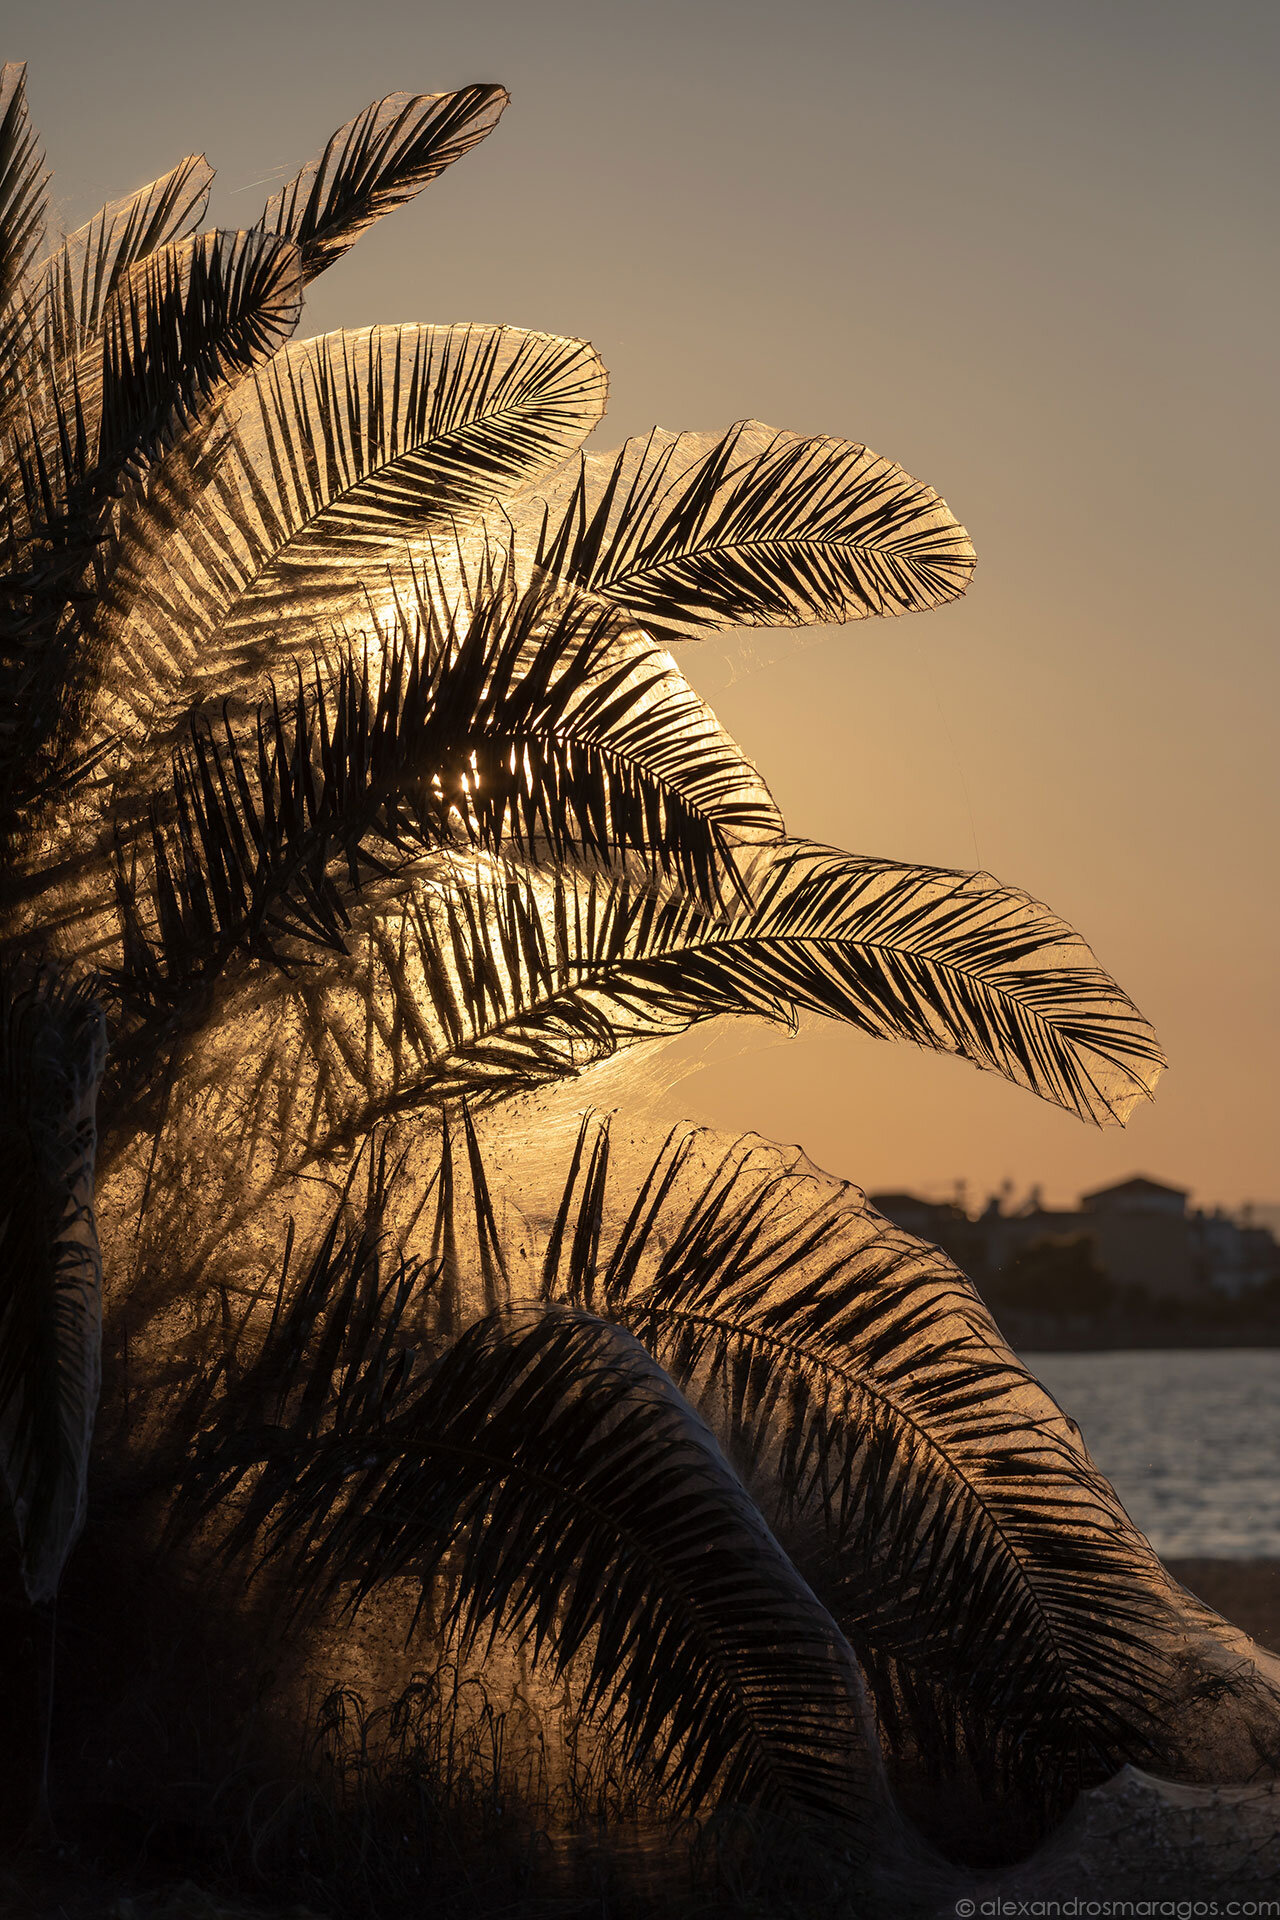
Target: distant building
1137,1195
1140,1231
1143,1237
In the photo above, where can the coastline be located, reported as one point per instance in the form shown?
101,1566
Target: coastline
1078,1333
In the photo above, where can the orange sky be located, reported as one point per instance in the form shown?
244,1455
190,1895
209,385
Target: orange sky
1025,249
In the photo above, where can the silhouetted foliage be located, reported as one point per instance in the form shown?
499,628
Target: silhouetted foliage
345,777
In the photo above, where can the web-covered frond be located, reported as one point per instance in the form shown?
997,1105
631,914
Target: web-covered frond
535,730
964,1532
1010,1617
375,163
455,976
176,328
455,418
490,979
185,322
181,325
692,532
52,1049
544,1479
22,217
253,544
65,300
948,960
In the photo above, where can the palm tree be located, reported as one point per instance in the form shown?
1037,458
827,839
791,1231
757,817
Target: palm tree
348,791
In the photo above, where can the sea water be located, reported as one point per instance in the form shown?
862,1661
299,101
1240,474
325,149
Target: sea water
1190,1439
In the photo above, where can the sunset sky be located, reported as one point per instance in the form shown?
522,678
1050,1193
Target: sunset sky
1026,249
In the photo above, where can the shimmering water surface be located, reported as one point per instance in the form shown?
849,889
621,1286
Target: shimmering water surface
1190,1440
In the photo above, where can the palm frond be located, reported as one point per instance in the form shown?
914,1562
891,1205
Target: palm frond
461,982
537,731
22,217
184,322
320,470
52,410
1003,1605
376,162
66,299
180,324
967,1538
545,1475
485,979
52,1048
51,550
22,183
948,960
693,532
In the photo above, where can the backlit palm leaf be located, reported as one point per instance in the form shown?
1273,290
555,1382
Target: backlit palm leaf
186,321
375,163
180,326
951,961
66,300
317,472
546,1474
488,981
691,532
484,978
22,208
537,729
989,1578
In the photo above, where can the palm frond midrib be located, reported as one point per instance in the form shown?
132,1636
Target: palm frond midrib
875,1391
297,545
390,844
995,993
619,582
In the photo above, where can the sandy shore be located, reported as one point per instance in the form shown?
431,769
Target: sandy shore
1246,1591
